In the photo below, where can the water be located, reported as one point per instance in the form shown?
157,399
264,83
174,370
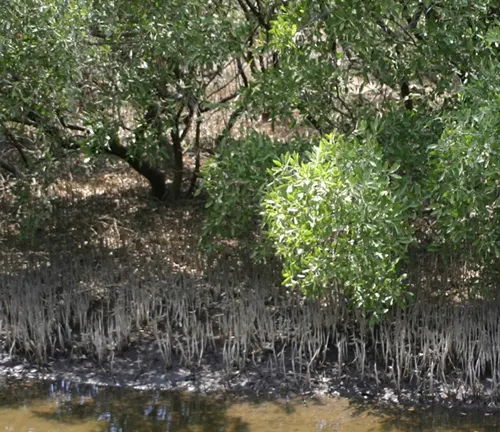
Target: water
63,406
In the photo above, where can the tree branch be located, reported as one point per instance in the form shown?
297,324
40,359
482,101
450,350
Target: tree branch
155,177
74,127
10,168
233,118
223,100
187,123
247,5
14,142
222,87
242,73
195,174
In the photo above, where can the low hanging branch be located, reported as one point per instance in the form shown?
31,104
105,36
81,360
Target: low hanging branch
11,169
155,177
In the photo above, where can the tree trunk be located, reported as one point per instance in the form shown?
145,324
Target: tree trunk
11,169
196,172
178,166
155,177
405,94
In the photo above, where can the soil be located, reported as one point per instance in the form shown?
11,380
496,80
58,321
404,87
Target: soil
141,368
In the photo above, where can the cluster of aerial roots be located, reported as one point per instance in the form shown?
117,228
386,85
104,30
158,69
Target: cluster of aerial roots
97,304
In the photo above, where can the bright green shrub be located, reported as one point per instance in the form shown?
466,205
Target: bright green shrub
341,218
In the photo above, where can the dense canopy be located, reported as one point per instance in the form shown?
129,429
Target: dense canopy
346,138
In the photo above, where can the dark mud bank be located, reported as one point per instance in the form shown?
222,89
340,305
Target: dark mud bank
208,377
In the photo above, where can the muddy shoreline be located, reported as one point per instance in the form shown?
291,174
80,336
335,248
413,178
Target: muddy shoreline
141,369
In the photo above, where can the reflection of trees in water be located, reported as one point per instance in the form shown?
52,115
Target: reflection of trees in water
427,418
71,404
123,410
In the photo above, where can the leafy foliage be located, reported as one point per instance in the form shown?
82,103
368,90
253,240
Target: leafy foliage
136,80
235,181
340,218
41,55
464,186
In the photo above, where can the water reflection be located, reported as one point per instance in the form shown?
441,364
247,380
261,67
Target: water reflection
108,409
66,406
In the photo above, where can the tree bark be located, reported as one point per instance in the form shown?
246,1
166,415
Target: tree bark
155,177
178,166
9,168
195,174
405,94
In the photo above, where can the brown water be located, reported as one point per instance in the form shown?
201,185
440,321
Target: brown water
63,406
